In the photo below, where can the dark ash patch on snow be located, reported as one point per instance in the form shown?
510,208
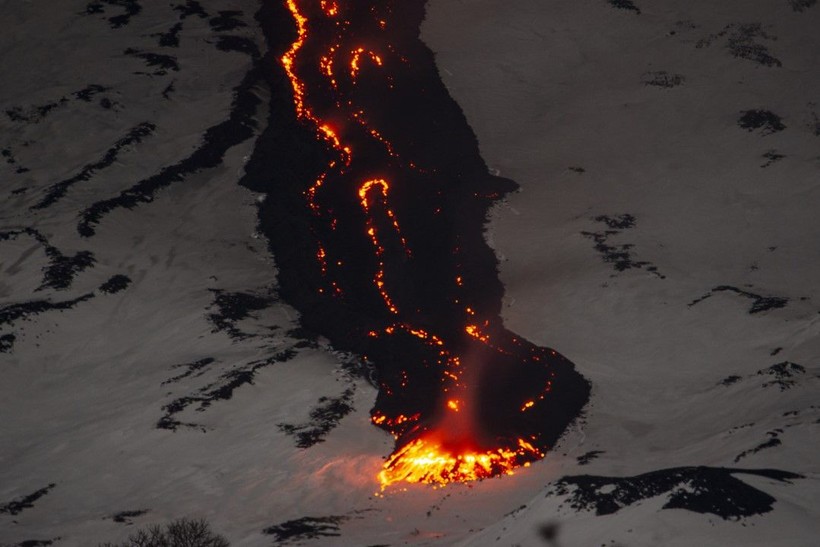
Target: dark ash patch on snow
584,459
19,505
625,5
220,390
124,517
37,542
116,284
767,121
759,304
131,8
619,256
662,78
217,140
233,307
705,490
306,528
742,42
323,418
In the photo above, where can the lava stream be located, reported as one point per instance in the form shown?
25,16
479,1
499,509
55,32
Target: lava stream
402,273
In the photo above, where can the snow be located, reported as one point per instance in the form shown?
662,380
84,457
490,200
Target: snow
547,87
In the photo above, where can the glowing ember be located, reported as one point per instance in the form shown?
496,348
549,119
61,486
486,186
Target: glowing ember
464,398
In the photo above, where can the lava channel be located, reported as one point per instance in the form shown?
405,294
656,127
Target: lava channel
377,201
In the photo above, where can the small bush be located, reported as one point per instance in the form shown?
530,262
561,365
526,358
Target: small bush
179,533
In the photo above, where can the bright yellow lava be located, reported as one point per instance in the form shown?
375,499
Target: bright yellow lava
426,461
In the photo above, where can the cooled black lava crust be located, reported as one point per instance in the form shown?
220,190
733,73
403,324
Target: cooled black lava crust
442,208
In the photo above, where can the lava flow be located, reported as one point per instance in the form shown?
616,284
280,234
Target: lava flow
376,215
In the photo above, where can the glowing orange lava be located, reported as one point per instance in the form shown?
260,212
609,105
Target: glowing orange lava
446,449
426,460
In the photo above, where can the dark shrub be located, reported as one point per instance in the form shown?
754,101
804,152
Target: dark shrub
179,533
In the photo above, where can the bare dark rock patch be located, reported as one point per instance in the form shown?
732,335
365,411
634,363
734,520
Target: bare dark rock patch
305,528
61,270
37,542
191,8
191,369
743,40
765,120
783,374
233,307
160,62
17,506
115,284
7,342
663,79
36,113
801,5
239,44
220,390
227,21
125,517
170,38
217,140
324,417
730,380
584,459
23,310
619,255
705,490
8,155
772,442
759,303
625,5
130,8
772,157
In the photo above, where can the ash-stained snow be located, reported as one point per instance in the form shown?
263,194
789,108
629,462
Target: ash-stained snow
149,370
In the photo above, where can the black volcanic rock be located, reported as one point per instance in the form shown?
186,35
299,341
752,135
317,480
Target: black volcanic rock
708,490
440,193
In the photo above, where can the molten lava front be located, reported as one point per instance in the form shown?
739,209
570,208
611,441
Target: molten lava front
398,269
428,461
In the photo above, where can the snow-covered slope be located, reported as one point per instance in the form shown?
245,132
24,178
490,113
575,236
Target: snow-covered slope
150,371
665,238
